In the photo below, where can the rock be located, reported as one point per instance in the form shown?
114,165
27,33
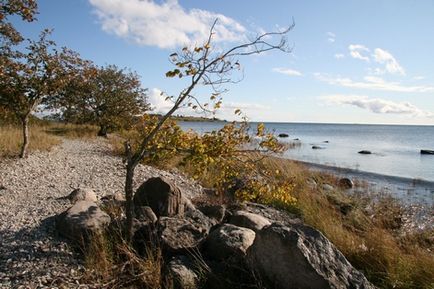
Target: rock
296,139
327,188
365,152
282,135
81,220
178,234
82,194
315,147
229,241
161,195
326,141
301,257
346,183
145,213
249,220
427,152
311,183
117,197
214,212
2,187
184,277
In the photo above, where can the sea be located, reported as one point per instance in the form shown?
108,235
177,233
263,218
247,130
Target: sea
395,158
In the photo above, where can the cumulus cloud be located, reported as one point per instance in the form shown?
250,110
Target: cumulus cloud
331,37
378,105
372,82
391,64
287,71
339,55
359,51
165,24
158,101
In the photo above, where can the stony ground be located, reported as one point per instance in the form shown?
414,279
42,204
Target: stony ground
31,256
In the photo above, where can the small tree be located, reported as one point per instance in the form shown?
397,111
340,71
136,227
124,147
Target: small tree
203,65
106,96
31,77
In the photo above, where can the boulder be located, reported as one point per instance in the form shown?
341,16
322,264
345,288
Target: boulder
248,220
346,183
229,241
301,257
214,212
161,195
365,152
117,197
81,220
427,152
283,135
178,234
82,194
182,274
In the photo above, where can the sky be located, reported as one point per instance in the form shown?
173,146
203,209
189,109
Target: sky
351,61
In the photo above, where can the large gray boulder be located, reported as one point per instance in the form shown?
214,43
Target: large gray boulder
82,194
161,195
249,220
229,241
179,234
81,221
301,257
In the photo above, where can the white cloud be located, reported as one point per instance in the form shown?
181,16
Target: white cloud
391,64
358,51
377,105
339,56
374,83
331,37
165,24
287,71
419,77
158,101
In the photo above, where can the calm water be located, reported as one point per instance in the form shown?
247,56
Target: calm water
395,149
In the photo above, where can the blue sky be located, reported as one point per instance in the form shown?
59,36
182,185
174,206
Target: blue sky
352,61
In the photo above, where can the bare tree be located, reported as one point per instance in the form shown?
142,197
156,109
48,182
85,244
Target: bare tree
203,65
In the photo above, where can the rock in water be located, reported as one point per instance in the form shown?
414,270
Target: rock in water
81,220
82,194
229,241
248,220
427,152
161,195
301,257
283,135
365,152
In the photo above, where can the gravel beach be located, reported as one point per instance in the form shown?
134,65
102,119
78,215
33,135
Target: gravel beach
30,254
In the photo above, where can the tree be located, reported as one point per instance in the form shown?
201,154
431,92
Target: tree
26,9
203,65
106,96
30,77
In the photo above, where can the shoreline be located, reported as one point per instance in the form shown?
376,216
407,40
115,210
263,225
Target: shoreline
410,191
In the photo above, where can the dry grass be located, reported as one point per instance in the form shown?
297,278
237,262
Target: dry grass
11,140
43,136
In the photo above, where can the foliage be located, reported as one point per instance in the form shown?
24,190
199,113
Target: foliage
32,76
202,65
105,96
26,9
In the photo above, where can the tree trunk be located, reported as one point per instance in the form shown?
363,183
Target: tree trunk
25,127
102,131
129,206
